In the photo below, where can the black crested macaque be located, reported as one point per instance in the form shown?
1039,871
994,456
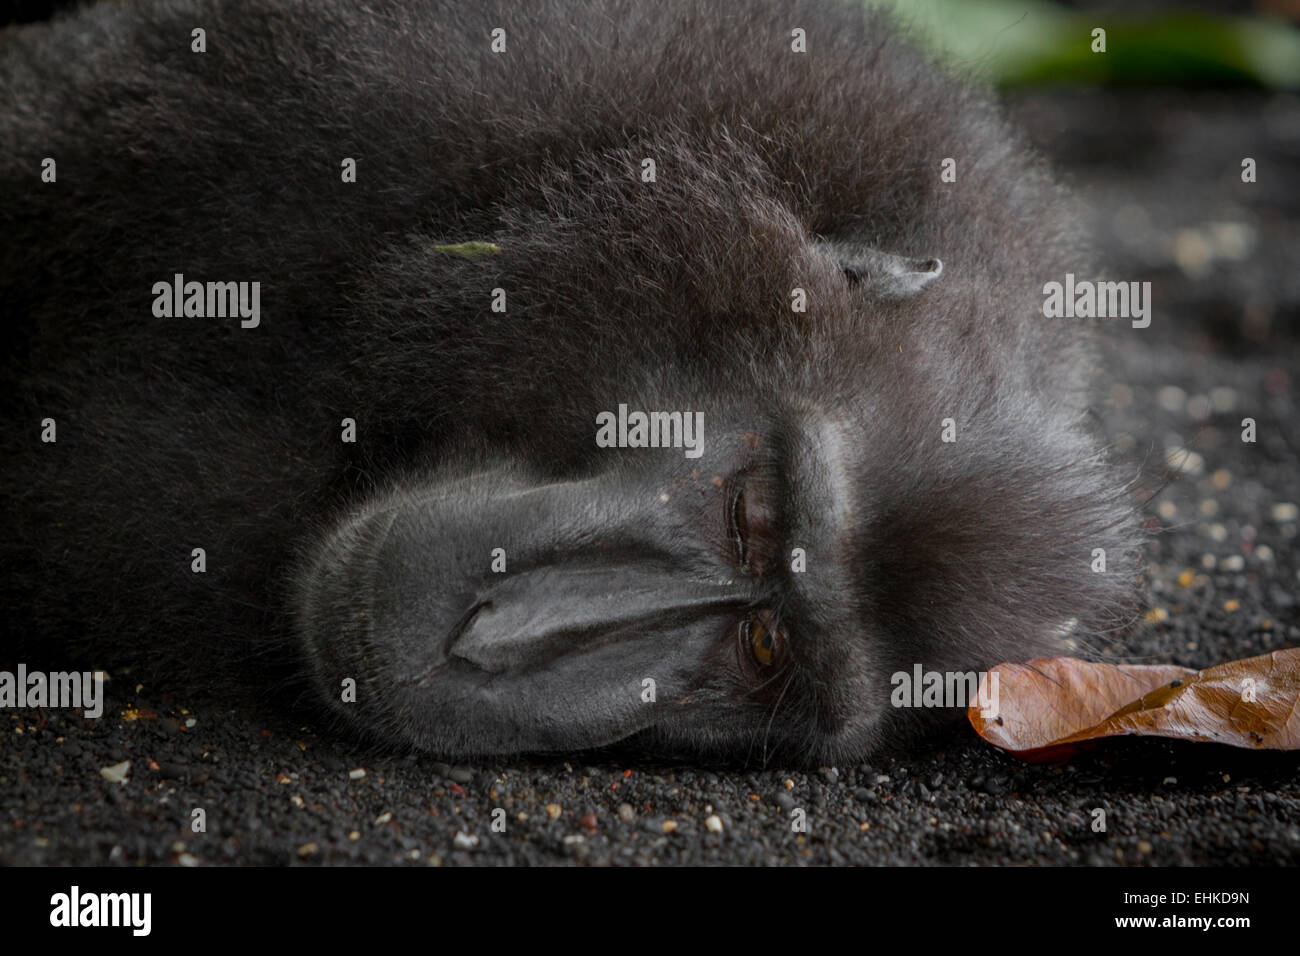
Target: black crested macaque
315,314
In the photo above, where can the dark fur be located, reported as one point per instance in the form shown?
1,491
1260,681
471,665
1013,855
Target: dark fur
225,166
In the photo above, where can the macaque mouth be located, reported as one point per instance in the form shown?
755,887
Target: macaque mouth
462,625
449,645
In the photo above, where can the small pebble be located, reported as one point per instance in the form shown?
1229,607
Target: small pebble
1188,462
464,841
1223,399
1233,562
1285,512
117,773
626,813
713,823
356,774
1171,398
553,810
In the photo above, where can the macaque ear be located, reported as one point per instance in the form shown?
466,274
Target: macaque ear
888,275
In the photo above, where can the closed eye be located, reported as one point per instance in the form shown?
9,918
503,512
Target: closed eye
738,526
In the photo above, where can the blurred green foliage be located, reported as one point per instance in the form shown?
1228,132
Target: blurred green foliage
1020,42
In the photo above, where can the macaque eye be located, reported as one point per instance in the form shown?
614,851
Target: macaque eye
738,526
764,637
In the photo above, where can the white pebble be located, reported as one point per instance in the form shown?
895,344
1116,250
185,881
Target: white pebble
1234,562
116,773
1285,511
465,841
1171,398
356,774
1193,253
1232,240
1188,462
713,823
1223,399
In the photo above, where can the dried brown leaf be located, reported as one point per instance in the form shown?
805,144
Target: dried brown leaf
1049,707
